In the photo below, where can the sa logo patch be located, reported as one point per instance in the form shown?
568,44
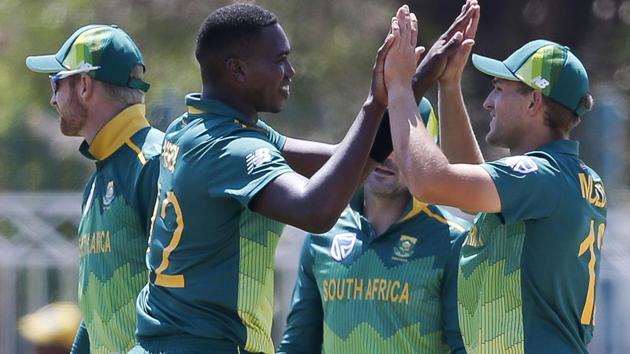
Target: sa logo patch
109,195
342,245
522,164
404,248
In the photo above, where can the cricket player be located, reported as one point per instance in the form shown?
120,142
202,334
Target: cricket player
384,279
225,190
98,90
529,265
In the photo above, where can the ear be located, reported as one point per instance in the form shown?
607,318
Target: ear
85,87
236,69
536,104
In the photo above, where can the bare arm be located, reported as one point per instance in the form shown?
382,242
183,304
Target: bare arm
456,135
315,204
428,173
445,62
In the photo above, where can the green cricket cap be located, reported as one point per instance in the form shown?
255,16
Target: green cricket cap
104,46
544,66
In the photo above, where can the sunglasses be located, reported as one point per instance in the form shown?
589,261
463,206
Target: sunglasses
54,79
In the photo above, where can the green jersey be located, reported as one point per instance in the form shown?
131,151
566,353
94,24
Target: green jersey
528,274
359,292
117,205
211,259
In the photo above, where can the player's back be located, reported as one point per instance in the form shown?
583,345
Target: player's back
211,258
527,275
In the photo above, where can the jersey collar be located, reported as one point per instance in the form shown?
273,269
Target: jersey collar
199,106
569,147
413,207
116,132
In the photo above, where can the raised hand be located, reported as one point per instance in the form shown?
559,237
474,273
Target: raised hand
378,90
452,74
400,63
435,61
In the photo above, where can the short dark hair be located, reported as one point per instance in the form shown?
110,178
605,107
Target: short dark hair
226,32
557,117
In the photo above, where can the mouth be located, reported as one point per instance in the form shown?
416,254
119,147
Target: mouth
382,170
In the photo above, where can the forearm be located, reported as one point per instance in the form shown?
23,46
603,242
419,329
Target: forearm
307,157
419,158
346,168
457,138
420,84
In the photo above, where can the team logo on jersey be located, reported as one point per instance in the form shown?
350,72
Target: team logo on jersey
522,164
404,248
342,245
257,158
109,195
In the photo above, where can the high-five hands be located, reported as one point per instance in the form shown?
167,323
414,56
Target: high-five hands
447,57
400,63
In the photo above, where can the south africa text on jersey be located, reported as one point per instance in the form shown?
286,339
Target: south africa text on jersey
95,242
365,290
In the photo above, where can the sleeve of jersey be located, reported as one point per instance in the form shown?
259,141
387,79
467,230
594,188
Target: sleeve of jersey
146,189
245,166
304,330
275,138
449,296
526,186
81,344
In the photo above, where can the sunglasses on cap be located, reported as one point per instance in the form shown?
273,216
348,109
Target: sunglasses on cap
54,79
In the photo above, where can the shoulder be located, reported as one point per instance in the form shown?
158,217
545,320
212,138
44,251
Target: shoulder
455,226
537,165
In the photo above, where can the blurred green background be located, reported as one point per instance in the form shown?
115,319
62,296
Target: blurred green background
333,48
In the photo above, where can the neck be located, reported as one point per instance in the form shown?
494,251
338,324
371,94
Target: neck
208,92
99,114
534,141
384,210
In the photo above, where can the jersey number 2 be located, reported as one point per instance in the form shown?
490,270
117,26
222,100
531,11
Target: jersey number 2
161,279
589,244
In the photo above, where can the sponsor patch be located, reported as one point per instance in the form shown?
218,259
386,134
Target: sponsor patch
522,164
540,82
342,245
257,158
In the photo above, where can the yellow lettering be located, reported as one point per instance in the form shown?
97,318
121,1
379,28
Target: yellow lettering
381,290
325,290
348,287
340,288
368,291
332,289
358,288
404,295
108,242
585,185
393,295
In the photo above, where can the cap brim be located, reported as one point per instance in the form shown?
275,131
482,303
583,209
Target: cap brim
493,67
44,64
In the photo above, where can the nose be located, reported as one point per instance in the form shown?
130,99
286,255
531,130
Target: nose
53,100
488,104
290,71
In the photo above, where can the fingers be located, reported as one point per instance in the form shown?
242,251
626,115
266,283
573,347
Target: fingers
414,29
471,29
419,51
463,19
453,43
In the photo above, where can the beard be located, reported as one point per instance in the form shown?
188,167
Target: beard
72,116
